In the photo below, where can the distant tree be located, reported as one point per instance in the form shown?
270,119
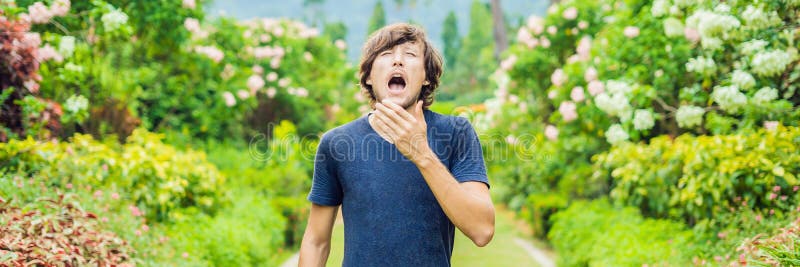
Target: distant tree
451,39
469,80
500,39
335,30
313,12
378,18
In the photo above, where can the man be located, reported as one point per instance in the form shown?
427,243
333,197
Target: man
404,176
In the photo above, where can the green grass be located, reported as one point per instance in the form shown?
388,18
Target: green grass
502,251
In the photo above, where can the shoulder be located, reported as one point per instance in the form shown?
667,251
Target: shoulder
347,131
447,123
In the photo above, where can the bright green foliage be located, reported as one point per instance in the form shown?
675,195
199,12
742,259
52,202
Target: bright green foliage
155,176
450,39
696,177
598,234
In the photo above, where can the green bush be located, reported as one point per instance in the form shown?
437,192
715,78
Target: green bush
598,234
151,174
693,178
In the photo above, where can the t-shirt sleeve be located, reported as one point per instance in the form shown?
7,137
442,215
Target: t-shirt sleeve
326,189
468,164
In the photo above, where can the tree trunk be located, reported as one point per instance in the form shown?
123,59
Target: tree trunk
500,39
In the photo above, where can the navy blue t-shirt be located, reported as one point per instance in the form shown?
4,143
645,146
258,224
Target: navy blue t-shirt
391,217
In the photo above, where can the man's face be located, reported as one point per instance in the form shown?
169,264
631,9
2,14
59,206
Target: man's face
398,74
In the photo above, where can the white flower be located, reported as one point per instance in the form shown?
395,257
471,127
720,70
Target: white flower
742,79
683,3
570,13
595,87
618,87
764,96
114,19
616,134
272,76
558,77
643,119
71,67
755,18
659,8
536,24
190,4
551,132
753,46
340,44
710,24
770,63
689,116
255,82
590,74
614,105
76,103
702,65
711,43
729,98
230,100
567,110
212,52
66,46
243,94
577,94
673,27
722,8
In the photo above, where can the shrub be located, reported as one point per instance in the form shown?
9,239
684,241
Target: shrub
598,234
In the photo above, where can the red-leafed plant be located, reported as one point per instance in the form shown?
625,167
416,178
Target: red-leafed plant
62,235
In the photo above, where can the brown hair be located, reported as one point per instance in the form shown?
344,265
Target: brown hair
396,34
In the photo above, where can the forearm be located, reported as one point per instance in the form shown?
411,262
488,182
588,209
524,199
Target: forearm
471,213
313,255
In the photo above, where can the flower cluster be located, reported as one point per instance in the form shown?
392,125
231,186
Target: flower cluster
742,79
114,19
764,96
772,62
689,116
616,134
211,52
756,18
729,98
38,13
702,65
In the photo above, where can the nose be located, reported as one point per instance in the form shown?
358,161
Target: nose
397,60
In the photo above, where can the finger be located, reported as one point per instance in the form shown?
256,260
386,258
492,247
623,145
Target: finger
400,110
385,129
393,115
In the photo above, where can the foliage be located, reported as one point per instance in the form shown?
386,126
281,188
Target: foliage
696,177
378,18
64,234
599,234
450,39
779,249
154,175
471,77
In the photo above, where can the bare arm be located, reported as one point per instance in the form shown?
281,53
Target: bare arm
316,244
468,205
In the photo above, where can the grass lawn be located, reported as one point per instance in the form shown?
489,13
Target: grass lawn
502,251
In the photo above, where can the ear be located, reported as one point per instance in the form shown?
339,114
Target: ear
426,82
369,82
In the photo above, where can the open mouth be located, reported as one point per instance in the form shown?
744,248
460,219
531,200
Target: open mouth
397,84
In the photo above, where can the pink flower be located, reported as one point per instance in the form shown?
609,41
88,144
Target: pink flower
39,13
558,77
772,196
98,194
631,31
691,34
783,198
590,74
275,63
138,232
145,228
536,24
229,99
795,188
577,94
258,69
742,259
104,219
771,125
722,235
758,218
551,132
192,25
243,94
271,92
69,186
508,63
552,30
595,87
190,4
544,42
340,44
567,110
47,52
104,167
570,13
135,211
272,76
308,57
771,211
283,82
114,196
552,94
584,48
583,25
211,52
776,188
185,255
60,8
301,92
255,82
